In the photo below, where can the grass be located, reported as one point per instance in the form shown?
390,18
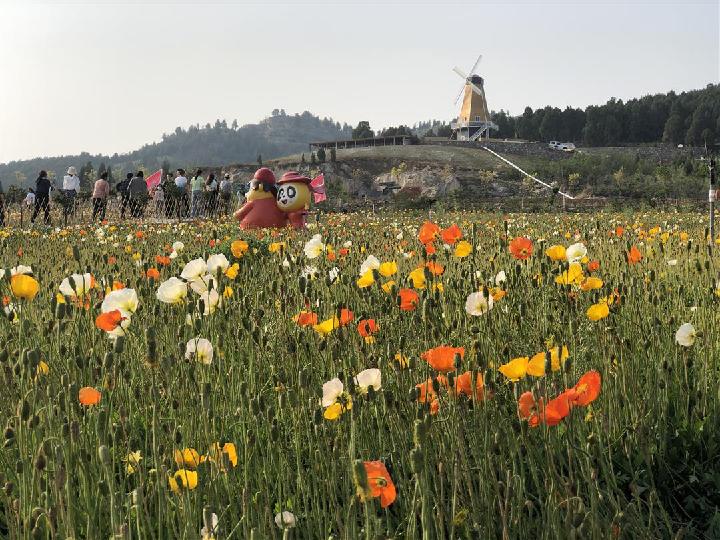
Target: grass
637,462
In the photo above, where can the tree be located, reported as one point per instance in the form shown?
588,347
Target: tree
333,155
321,155
302,159
362,131
234,124
313,161
259,160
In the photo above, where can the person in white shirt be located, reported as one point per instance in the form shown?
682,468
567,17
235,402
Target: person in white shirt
182,203
30,198
71,187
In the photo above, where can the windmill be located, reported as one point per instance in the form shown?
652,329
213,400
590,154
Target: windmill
474,119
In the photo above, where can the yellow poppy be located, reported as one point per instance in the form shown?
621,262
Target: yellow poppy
591,283
463,249
188,457
387,269
366,279
556,252
238,248
183,479
388,286
598,311
24,286
418,277
515,369
327,326
572,276
232,271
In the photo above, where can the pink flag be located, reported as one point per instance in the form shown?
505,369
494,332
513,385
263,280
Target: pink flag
317,186
154,179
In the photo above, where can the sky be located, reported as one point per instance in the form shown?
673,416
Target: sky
106,77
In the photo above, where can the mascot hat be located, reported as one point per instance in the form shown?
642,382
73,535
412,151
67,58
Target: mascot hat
264,175
294,176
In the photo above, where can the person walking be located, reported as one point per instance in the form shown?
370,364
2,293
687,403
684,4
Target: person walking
137,190
196,186
101,191
30,198
158,196
225,193
70,189
122,189
211,193
182,202
42,196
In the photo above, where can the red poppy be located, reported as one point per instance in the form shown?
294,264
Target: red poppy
409,299
634,256
346,316
587,389
212,242
109,321
521,248
464,386
380,483
89,396
152,273
451,235
306,318
435,268
442,358
428,232
367,327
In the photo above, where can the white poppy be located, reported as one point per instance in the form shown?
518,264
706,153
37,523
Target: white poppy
476,304
120,330
215,262
331,391
575,252
211,300
371,263
333,274
285,520
500,277
194,269
310,272
206,534
77,284
672,262
367,378
314,247
20,269
685,335
178,246
203,284
199,349
126,300
172,291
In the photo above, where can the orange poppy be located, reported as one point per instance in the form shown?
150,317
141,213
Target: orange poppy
112,259
521,248
428,232
343,251
89,396
212,243
409,299
442,358
5,300
380,483
109,321
435,268
430,249
162,260
306,318
619,231
346,316
464,386
367,327
331,256
634,256
117,285
593,266
451,235
427,392
20,252
152,273
587,389
526,405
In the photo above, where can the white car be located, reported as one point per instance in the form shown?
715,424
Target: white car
567,147
554,145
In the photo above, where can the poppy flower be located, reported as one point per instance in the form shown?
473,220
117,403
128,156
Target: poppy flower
388,269
428,232
451,235
634,256
187,457
526,405
367,279
417,277
346,316
380,483
591,283
162,260
464,386
89,396
619,231
435,268
442,358
572,276
232,271
306,318
430,249
516,368
367,327
183,479
109,321
152,273
587,389
556,253
521,248
593,266
216,452
24,286
463,249
327,326
597,312
238,248
409,299
686,335
112,259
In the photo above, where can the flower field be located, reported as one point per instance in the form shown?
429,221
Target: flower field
463,375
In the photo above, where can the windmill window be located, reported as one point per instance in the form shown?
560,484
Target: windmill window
477,119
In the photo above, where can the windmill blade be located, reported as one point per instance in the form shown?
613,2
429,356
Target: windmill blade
460,93
477,63
460,72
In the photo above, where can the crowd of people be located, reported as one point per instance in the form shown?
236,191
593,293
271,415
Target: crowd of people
172,197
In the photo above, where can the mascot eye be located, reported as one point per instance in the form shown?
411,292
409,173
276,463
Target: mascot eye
291,192
281,192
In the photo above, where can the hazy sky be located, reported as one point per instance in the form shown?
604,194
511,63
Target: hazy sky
110,76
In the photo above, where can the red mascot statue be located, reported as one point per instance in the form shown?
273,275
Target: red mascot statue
261,209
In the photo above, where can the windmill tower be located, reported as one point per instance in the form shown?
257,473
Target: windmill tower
474,119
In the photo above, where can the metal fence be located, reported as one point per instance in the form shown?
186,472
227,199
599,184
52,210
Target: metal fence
114,209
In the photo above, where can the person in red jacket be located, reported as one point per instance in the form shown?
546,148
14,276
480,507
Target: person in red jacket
261,209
